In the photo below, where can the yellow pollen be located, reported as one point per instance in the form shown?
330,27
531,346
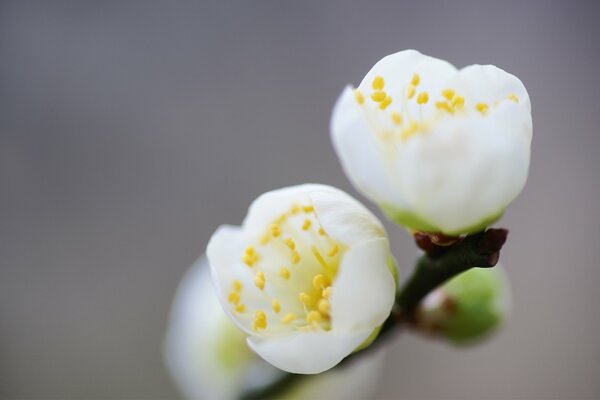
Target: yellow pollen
396,118
322,231
313,317
378,83
415,79
385,103
457,102
250,256
513,97
234,298
324,306
333,251
423,98
326,293
275,230
288,318
306,224
276,306
412,89
482,108
237,285
284,273
304,298
290,243
295,257
379,96
240,308
442,105
448,93
360,99
295,209
308,209
259,280
260,320
319,281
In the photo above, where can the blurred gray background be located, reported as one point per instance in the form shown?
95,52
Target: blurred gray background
130,130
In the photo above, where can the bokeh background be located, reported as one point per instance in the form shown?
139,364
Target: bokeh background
129,130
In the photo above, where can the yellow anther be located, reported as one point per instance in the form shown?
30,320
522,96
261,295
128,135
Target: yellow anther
313,317
385,103
457,102
234,298
423,98
360,99
240,308
304,298
442,105
324,306
410,93
306,224
410,130
334,250
281,219
308,209
322,231
237,285
259,280
295,257
264,239
513,97
249,258
295,209
482,108
288,318
249,250
260,320
290,243
326,293
378,83
415,79
319,281
396,118
284,273
379,96
275,230
448,93
276,306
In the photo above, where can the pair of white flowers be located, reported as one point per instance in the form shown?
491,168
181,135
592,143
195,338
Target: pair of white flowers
309,276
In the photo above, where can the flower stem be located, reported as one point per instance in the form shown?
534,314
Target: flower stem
440,262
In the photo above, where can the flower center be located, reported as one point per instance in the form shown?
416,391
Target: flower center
397,121
292,266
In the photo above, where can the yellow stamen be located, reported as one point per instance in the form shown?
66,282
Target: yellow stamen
324,306
423,98
379,96
234,298
457,102
385,103
306,224
322,231
237,285
264,239
360,99
442,105
290,243
295,257
333,251
240,308
295,209
276,306
260,320
326,293
396,118
513,97
308,209
250,256
288,318
409,131
313,317
319,257
378,83
275,230
284,273
259,280
319,281
411,91
304,298
415,79
448,93
482,108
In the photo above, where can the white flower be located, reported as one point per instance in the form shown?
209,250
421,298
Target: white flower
208,357
307,276
439,149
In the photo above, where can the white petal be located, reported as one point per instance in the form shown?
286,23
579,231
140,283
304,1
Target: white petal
308,352
364,288
344,218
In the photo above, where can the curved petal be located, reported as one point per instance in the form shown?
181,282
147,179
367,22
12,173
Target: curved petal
308,352
364,288
360,152
344,218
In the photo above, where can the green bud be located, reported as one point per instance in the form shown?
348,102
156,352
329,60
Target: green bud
466,308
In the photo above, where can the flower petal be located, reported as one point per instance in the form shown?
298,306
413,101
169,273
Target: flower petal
308,352
364,288
345,219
